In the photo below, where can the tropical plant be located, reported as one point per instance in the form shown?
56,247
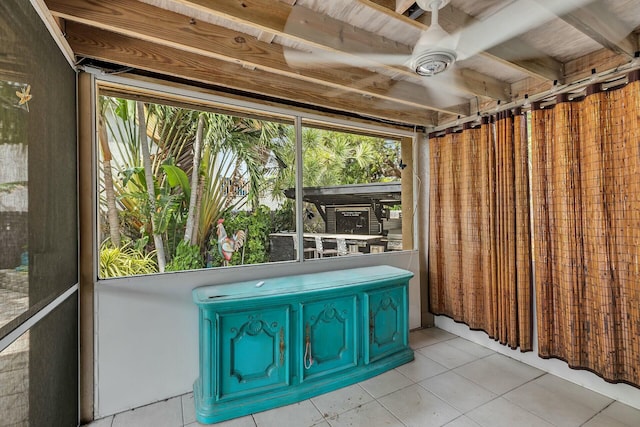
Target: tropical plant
330,158
107,174
153,196
125,261
284,218
235,157
338,158
334,158
187,257
257,226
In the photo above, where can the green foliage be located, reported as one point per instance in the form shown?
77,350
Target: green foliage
125,261
257,225
335,158
284,218
176,177
330,158
188,257
8,187
134,172
242,160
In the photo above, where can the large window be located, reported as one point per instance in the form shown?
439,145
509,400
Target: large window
184,186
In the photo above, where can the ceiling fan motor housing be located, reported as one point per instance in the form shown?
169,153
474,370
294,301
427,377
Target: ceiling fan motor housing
430,5
430,63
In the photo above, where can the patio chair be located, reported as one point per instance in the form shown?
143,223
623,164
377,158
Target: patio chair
322,251
304,250
342,247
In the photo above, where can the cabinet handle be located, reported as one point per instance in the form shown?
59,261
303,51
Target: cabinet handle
282,346
308,358
372,325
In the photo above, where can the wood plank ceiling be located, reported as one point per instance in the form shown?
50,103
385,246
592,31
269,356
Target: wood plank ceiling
248,46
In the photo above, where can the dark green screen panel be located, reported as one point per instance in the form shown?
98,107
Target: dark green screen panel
38,222
53,367
38,196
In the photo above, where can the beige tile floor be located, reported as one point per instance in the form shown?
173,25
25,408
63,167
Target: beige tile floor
452,382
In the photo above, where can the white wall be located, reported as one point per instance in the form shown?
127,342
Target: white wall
624,393
146,329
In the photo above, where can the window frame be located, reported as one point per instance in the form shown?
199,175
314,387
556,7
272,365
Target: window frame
168,93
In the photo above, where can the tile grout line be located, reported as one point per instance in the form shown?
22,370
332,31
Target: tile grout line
599,412
182,410
459,366
389,410
527,410
497,396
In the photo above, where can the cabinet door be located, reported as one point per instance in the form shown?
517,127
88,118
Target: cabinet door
253,349
386,322
329,340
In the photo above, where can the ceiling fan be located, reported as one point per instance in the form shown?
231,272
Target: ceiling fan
435,61
436,51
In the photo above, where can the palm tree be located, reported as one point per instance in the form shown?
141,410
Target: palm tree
236,151
146,161
132,161
190,230
107,170
334,158
118,116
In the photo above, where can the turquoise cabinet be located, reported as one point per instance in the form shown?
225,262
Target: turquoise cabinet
274,342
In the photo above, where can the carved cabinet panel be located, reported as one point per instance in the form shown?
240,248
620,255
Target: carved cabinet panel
329,341
386,322
254,355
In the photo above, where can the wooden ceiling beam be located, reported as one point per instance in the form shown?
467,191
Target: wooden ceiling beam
403,5
146,22
297,23
328,34
388,4
598,23
398,6
99,44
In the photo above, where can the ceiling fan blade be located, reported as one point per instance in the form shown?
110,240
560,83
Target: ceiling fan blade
313,39
439,97
422,94
512,20
447,88
299,59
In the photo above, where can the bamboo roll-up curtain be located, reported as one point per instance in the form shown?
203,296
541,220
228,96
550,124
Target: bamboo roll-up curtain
479,262
523,259
513,242
445,225
586,198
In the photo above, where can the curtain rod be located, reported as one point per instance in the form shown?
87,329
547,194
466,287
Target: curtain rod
609,78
